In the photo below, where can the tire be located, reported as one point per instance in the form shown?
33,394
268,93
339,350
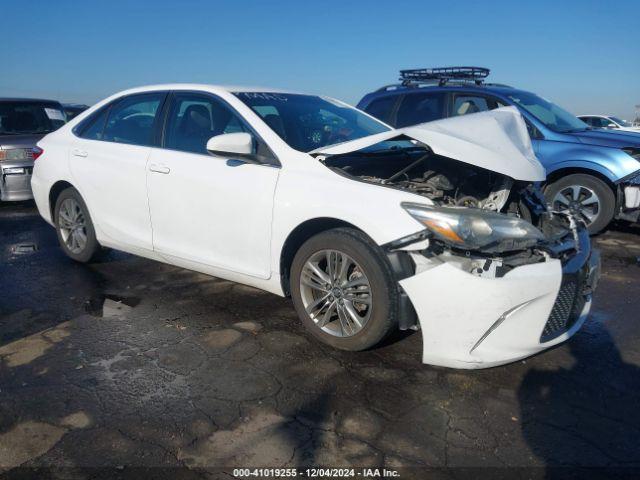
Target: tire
68,204
364,263
595,202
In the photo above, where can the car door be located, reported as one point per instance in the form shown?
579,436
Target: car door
213,210
108,161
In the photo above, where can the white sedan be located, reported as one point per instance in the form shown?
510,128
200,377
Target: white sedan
609,122
437,227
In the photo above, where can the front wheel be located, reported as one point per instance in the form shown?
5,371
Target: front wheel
586,196
343,289
74,227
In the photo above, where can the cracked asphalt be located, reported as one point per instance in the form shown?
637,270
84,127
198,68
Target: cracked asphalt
130,363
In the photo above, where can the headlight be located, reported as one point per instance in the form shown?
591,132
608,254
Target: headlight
634,152
475,229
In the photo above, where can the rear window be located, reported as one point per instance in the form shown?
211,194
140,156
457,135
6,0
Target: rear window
24,118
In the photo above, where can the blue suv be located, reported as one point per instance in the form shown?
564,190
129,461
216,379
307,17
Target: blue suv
593,173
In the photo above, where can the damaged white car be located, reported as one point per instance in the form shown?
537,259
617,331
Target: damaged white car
438,227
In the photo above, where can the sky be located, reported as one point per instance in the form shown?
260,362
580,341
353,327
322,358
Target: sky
583,55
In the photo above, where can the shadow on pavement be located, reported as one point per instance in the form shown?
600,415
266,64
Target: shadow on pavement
573,424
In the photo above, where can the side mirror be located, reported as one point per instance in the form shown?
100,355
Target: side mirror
612,125
232,145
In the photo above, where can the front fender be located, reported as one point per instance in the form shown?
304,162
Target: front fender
302,196
583,165
612,163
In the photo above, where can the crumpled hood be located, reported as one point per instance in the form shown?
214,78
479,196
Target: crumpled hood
496,140
608,138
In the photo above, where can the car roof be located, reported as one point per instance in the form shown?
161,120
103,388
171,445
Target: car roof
206,87
392,90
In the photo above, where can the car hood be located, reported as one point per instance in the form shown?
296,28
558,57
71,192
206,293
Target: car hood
607,138
496,140
19,141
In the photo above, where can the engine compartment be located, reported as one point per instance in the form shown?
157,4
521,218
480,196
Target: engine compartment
413,167
445,181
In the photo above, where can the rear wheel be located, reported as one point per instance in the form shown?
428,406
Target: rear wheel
587,196
343,289
74,227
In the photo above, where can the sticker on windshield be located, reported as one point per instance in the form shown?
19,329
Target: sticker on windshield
54,114
264,96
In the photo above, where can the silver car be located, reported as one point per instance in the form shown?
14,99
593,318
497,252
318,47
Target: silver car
23,122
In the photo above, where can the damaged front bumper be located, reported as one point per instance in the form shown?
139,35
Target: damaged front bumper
483,320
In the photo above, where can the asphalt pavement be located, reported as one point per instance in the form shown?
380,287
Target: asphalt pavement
129,363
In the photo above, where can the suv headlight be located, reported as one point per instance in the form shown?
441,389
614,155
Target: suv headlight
475,229
634,152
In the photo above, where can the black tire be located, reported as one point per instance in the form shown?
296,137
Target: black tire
371,259
607,200
91,249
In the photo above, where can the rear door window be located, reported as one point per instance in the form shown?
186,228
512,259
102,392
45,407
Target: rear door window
420,107
600,122
131,120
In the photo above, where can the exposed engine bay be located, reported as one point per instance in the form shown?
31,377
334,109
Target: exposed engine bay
413,167
445,181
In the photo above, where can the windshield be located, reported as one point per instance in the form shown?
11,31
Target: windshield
22,118
308,122
619,121
551,115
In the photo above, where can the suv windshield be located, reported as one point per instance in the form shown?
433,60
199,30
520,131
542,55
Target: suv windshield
551,115
23,118
619,121
308,122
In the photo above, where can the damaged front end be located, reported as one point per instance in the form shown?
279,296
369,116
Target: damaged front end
494,276
503,293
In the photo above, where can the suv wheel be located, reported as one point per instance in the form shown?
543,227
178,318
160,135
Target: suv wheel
343,289
585,195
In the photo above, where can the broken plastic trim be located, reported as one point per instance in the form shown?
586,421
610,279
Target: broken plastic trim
408,240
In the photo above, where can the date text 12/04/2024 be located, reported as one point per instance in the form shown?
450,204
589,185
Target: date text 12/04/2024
315,473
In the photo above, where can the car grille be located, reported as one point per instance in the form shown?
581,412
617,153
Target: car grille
567,308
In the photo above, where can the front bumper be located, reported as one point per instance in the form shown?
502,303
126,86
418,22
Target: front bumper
469,321
15,181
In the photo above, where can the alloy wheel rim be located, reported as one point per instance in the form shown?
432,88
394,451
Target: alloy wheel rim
578,200
336,293
72,225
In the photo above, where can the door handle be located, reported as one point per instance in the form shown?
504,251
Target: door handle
159,168
79,153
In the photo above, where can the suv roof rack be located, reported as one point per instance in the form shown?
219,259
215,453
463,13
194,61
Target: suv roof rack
443,75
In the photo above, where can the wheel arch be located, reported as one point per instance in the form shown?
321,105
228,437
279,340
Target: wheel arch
298,236
55,191
563,172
